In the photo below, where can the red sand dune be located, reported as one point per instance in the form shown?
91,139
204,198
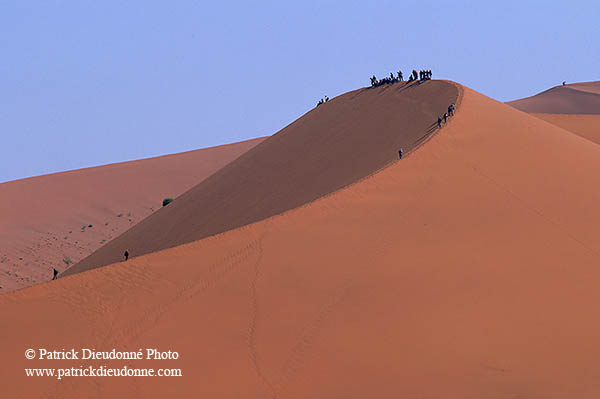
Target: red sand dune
45,219
587,126
467,270
590,87
576,98
331,146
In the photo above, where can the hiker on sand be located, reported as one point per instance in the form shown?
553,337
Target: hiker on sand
451,109
400,77
400,153
439,122
126,255
55,274
445,117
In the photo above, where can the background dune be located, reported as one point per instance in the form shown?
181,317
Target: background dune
467,270
46,219
576,98
331,146
587,126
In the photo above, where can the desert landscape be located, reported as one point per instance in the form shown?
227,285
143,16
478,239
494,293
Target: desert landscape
54,221
299,200
327,267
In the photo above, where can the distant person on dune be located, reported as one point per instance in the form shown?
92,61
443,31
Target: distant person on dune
451,109
564,83
445,117
400,77
400,153
439,122
55,274
126,255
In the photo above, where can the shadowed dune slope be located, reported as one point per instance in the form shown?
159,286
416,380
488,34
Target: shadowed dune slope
331,146
576,98
45,219
587,126
462,271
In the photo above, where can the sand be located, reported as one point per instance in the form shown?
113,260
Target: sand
467,270
587,126
577,98
46,219
338,143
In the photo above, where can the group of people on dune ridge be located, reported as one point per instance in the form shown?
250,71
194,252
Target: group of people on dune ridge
446,115
422,75
440,120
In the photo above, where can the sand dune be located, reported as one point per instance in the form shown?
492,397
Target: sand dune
587,126
467,270
331,146
46,219
576,98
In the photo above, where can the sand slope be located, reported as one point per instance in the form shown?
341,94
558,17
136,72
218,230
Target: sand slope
467,270
577,98
331,146
587,126
45,219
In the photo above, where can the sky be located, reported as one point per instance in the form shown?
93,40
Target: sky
85,83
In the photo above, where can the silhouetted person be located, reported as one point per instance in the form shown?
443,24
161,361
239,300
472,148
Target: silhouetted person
439,122
126,255
326,98
400,77
400,153
451,109
445,117
55,274
564,83
414,75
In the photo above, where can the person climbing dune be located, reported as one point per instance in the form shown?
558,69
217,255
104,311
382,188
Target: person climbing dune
126,255
55,274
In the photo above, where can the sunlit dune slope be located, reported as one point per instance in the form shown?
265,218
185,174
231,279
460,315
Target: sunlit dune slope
54,220
331,146
467,270
576,98
587,126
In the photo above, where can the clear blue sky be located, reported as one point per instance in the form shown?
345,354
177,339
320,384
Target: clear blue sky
85,83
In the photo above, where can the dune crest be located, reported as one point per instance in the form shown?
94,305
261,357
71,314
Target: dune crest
576,98
336,144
